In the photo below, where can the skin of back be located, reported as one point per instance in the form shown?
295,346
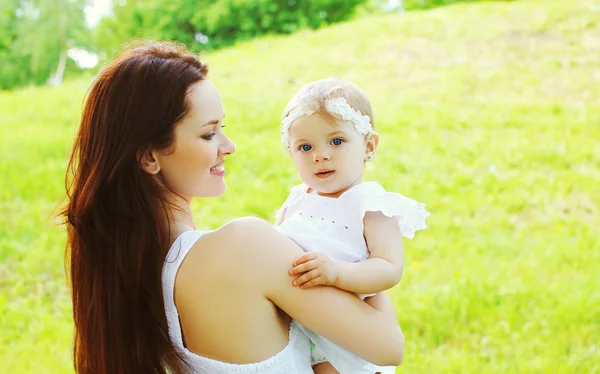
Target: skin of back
235,299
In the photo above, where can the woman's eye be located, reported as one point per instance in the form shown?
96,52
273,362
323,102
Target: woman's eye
305,147
337,141
209,136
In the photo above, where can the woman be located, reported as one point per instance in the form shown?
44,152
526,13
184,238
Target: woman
151,294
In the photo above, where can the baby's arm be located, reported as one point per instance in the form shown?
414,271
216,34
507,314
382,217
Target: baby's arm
383,269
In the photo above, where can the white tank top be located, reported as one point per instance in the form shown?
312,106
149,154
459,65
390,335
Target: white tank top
294,358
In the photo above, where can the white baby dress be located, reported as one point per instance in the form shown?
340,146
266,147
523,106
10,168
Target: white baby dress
335,227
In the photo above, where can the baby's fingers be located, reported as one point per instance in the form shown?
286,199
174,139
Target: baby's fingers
306,277
314,282
303,268
305,258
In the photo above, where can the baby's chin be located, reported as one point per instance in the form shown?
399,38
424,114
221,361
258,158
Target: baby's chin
327,190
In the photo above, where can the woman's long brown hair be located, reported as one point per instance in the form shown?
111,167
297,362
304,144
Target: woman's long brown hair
116,215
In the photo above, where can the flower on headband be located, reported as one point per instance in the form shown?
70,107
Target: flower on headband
286,123
337,105
340,106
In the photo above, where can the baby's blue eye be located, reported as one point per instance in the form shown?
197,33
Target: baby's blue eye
337,141
305,147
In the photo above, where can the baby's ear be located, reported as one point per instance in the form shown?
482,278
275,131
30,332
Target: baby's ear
371,146
148,161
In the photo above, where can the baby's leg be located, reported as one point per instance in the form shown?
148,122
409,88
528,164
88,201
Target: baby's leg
325,368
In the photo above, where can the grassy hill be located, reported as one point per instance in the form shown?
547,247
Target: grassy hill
488,112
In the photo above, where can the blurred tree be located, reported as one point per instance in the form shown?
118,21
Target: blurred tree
35,36
148,19
10,71
428,4
210,24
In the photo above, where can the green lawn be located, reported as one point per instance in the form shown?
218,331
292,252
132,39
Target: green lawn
488,112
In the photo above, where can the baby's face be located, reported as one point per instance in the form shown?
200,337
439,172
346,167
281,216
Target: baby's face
328,155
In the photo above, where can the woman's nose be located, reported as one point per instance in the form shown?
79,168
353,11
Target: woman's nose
227,147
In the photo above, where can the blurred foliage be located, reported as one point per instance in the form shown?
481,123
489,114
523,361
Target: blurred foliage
208,24
34,35
427,4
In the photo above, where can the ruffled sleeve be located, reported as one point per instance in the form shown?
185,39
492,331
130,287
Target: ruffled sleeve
411,214
295,192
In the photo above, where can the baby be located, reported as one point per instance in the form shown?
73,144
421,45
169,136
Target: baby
351,229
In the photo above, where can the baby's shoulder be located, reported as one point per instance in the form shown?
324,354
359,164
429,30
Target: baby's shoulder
372,197
362,191
298,190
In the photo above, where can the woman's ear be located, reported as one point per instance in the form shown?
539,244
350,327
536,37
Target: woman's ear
371,146
148,161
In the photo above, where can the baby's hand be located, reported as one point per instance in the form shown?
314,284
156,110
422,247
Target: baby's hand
316,269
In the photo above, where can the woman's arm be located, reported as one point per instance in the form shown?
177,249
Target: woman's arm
335,314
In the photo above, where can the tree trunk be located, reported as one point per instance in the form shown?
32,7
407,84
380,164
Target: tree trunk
57,78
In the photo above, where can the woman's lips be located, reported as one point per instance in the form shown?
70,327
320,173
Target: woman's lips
218,169
324,174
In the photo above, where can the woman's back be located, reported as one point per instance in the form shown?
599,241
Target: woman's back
229,325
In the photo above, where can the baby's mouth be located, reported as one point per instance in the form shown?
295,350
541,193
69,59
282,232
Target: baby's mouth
324,173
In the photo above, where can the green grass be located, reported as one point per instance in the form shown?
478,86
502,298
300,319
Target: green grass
489,112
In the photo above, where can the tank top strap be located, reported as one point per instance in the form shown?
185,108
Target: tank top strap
180,248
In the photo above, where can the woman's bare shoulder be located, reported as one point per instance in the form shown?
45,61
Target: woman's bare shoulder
244,246
244,228
248,231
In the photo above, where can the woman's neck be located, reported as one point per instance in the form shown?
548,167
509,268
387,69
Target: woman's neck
181,218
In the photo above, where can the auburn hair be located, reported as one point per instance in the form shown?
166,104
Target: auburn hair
117,215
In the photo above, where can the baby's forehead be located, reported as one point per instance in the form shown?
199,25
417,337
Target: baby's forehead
323,120
319,123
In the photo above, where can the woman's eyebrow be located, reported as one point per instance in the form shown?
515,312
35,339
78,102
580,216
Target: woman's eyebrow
211,122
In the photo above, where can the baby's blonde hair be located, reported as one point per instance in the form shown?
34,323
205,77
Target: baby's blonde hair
315,94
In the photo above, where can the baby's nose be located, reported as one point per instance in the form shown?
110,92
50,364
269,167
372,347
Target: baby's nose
320,157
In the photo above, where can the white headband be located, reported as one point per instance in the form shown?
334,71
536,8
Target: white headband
337,105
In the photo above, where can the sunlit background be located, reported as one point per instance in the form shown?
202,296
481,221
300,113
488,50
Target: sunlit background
488,111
